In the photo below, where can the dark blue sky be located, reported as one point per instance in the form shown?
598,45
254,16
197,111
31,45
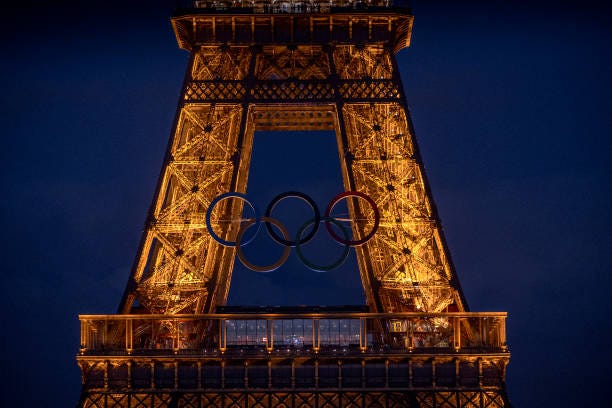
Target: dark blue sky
511,105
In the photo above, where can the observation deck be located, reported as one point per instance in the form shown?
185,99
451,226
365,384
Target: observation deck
205,23
293,350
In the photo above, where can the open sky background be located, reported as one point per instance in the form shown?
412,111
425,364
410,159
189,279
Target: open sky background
511,105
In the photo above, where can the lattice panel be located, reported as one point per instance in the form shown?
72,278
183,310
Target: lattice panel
304,400
469,399
292,62
294,119
162,400
189,401
426,399
446,399
214,91
218,63
259,400
492,400
399,400
375,400
292,91
352,399
141,401
235,400
328,400
406,255
279,400
175,263
347,399
94,401
370,90
211,400
363,62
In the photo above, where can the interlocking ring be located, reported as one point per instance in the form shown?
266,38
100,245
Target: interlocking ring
324,268
252,266
312,205
335,201
216,201
284,240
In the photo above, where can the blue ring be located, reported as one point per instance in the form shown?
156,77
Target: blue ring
209,213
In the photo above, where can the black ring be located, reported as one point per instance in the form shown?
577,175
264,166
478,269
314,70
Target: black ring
317,218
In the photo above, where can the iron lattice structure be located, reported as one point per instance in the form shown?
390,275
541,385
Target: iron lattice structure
276,65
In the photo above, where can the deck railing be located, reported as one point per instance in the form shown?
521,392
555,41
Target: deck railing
316,333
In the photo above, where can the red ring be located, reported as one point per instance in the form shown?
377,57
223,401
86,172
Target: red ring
335,201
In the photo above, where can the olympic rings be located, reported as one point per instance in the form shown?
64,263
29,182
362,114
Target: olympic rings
299,240
318,268
257,268
210,210
312,205
335,201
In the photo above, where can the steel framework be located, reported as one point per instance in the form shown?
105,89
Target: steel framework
291,65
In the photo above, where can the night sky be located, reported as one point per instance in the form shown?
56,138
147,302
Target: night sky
511,105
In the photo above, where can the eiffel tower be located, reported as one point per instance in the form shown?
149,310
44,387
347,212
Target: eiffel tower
292,65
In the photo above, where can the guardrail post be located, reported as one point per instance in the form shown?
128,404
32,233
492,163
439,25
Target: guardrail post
410,374
456,333
246,374
363,373
457,372
129,374
152,374
128,336
269,373
176,337
84,337
316,335
199,374
269,335
222,336
222,373
106,363
104,334
433,372
363,334
502,333
410,335
387,373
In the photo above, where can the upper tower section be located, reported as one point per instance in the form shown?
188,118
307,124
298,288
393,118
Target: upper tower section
292,22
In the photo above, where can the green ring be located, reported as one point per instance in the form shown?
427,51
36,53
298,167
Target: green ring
319,268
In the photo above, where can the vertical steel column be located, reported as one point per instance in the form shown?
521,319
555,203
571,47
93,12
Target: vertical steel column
106,364
269,373
199,365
